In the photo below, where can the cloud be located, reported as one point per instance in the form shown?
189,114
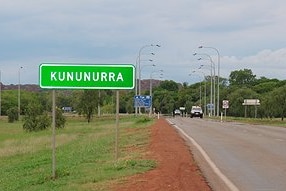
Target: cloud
266,63
247,34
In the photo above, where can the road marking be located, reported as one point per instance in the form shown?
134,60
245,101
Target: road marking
229,184
281,140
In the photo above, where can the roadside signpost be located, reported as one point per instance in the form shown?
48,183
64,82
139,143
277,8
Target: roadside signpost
85,76
249,102
142,101
225,105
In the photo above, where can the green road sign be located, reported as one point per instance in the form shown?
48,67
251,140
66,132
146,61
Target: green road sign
87,76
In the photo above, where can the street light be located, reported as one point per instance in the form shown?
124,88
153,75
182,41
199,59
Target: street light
205,91
151,84
212,78
153,65
218,73
139,62
19,94
138,69
212,66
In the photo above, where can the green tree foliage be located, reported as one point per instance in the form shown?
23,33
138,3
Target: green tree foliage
89,103
164,101
278,101
35,119
169,85
169,95
60,118
236,98
9,99
242,78
12,114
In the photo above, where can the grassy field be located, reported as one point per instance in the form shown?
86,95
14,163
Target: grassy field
85,155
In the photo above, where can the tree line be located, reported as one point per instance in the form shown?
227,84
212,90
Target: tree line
167,96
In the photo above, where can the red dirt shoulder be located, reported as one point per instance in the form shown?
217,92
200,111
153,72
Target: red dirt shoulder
176,170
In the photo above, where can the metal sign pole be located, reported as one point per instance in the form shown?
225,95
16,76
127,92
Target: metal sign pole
54,137
117,126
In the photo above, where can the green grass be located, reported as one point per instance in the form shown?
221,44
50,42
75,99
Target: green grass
85,155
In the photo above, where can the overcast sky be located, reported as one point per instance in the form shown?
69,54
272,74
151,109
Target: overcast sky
247,33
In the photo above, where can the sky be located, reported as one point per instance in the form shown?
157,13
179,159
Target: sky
246,34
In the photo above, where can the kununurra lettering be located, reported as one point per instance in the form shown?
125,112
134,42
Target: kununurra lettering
87,76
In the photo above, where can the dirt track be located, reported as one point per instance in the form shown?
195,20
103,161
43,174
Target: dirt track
176,171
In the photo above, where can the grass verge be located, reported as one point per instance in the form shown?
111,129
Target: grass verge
85,155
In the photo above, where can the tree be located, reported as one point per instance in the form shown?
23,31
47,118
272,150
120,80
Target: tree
9,100
35,119
89,103
236,98
164,101
60,119
278,101
242,78
12,114
169,85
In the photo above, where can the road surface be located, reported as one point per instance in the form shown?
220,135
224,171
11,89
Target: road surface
251,157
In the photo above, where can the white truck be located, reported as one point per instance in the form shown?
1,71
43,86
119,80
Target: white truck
196,111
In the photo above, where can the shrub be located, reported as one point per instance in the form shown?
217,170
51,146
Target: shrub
12,114
60,119
35,119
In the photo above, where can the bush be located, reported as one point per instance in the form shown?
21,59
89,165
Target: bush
60,119
35,119
12,114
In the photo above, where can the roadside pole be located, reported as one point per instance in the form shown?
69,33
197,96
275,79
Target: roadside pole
85,76
117,126
54,137
225,106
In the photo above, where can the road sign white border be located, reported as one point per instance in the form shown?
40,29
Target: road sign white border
86,65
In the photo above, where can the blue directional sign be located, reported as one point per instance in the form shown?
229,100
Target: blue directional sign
142,101
210,106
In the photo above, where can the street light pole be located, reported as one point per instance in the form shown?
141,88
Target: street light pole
211,90
138,71
19,93
205,90
218,73
151,84
139,63
212,81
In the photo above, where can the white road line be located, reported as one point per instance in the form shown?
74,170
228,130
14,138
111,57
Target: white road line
281,140
229,184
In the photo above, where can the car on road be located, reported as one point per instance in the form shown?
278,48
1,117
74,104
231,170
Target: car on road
196,111
177,112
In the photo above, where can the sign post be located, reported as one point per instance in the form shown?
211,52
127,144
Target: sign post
254,102
142,101
85,76
225,105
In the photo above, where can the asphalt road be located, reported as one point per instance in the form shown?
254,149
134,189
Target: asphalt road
252,157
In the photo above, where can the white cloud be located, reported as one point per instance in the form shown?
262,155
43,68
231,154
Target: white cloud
266,63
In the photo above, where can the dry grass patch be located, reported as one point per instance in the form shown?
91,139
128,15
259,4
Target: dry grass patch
30,145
